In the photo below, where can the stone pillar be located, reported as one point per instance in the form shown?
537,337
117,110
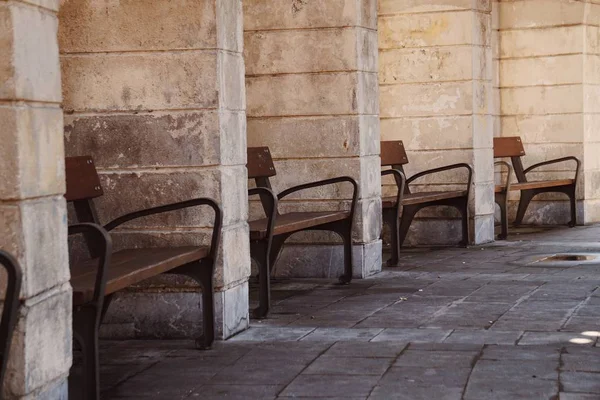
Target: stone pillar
154,91
32,207
311,80
435,76
550,96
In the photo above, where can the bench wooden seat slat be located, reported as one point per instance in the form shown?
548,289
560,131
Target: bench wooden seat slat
422,197
295,221
131,266
535,185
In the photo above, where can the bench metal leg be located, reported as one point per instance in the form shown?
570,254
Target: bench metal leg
276,248
526,197
265,257
260,254
202,273
571,192
85,330
208,309
390,218
345,232
501,200
408,214
464,211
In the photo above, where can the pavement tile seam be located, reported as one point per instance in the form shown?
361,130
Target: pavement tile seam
473,364
304,369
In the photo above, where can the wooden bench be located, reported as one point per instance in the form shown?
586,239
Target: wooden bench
399,211
268,235
9,309
513,147
95,281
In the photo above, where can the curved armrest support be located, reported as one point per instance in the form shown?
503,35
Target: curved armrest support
555,161
10,309
269,201
218,221
444,168
101,238
400,179
509,168
325,183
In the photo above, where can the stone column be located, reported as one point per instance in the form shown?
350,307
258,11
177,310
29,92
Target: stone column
32,207
550,96
435,76
154,91
311,79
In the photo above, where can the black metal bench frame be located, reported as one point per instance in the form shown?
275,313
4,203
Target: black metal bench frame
9,310
83,186
266,250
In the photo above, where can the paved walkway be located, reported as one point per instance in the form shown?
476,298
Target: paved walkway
489,322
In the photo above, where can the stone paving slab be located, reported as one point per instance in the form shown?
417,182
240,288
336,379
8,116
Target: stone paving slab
470,324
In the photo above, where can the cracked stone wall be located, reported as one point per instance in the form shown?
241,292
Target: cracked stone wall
32,208
311,82
154,91
550,96
435,78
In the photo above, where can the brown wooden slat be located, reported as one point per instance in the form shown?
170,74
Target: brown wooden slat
422,197
393,153
508,147
83,182
535,185
260,163
129,267
295,221
540,184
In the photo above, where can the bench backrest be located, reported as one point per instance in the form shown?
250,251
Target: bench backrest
260,163
260,168
83,185
10,308
393,153
83,182
511,146
508,147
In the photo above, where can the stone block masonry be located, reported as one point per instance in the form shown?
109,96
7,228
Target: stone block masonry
549,95
311,81
435,78
155,93
32,209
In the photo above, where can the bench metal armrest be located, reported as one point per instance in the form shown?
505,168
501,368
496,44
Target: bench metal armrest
101,238
325,183
509,168
400,179
203,201
555,161
11,306
269,202
444,168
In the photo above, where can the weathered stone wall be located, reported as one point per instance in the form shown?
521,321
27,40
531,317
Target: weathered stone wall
549,95
154,91
435,77
32,208
311,80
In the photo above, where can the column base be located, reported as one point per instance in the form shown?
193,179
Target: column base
174,314
327,261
